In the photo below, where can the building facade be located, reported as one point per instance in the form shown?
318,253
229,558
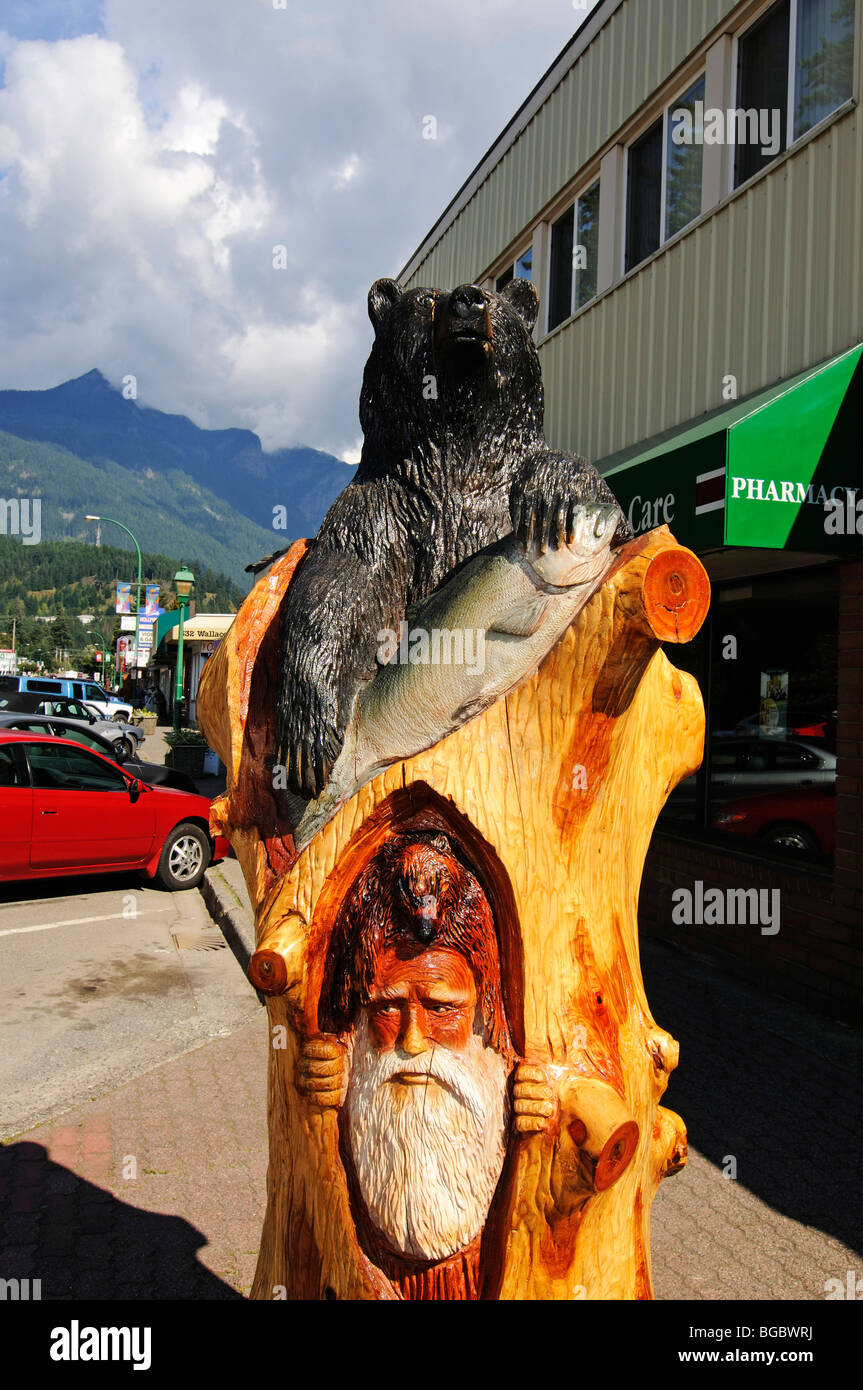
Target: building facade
684,187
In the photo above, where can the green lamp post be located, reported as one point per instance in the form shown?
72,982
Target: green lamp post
183,581
114,522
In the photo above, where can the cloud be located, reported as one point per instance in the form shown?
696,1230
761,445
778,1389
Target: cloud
151,168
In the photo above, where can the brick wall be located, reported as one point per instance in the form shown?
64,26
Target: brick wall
817,954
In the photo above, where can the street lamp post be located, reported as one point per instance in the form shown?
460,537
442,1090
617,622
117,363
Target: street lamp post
183,581
114,522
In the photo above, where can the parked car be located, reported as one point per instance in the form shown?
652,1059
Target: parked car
769,764
741,766
154,774
70,689
803,821
67,810
126,738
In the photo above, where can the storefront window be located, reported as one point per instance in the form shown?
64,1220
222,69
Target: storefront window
766,662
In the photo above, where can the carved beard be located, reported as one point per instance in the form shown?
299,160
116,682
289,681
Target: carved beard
427,1158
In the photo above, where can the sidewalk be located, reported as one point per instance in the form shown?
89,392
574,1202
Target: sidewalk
761,1082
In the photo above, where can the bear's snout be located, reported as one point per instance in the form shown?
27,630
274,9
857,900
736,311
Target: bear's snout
463,317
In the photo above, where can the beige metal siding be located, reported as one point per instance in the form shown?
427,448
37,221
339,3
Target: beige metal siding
765,287
633,54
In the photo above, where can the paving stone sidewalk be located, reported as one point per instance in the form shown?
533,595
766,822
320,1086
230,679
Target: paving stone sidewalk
760,1081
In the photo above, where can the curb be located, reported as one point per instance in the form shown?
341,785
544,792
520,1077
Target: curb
228,905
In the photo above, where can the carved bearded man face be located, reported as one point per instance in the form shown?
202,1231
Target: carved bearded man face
427,1104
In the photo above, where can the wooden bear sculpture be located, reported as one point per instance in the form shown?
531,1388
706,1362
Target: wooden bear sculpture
449,727
465,1081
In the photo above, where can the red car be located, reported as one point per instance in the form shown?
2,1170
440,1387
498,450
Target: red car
803,820
66,810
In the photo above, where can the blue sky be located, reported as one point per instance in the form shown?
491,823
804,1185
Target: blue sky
200,192
51,19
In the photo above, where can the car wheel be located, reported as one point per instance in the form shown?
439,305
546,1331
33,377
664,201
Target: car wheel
123,748
793,837
185,857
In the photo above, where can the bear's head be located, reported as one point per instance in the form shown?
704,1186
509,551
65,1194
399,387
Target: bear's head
450,370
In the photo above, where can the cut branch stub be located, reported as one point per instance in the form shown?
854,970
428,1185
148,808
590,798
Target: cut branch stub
675,594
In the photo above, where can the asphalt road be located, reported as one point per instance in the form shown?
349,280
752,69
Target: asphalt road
100,985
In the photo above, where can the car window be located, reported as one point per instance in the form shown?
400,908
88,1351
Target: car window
87,740
71,769
9,776
94,692
69,709
789,757
45,687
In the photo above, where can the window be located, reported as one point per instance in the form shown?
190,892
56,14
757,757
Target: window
684,160
521,269
644,196
823,60
81,736
72,769
574,251
794,66
664,175
8,769
768,781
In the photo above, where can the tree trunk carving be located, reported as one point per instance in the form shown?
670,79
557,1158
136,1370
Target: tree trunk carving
548,798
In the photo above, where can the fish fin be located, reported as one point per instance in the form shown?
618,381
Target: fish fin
524,619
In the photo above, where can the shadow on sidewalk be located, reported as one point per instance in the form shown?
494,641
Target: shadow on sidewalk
764,1082
82,1242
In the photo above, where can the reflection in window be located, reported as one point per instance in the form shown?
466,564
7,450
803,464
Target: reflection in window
71,769
822,77
587,247
8,769
683,164
574,253
824,59
768,782
521,269
524,265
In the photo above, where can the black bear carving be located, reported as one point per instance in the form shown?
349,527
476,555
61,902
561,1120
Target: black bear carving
453,459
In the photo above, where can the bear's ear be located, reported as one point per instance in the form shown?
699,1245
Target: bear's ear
523,298
382,296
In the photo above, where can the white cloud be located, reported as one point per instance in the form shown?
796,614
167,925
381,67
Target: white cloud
149,173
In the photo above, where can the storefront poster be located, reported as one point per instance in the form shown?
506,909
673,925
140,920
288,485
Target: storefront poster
773,710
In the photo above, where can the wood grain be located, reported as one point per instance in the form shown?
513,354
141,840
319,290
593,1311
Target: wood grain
552,794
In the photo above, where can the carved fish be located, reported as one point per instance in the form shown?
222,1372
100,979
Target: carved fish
477,637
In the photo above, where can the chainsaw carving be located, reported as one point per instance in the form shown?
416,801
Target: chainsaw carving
465,1076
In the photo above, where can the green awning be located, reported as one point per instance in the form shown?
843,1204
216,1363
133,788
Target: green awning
781,470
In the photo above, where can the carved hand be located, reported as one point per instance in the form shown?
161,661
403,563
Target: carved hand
534,1105
321,1072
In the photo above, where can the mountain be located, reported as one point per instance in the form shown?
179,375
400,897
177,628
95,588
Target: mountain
92,420
169,512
